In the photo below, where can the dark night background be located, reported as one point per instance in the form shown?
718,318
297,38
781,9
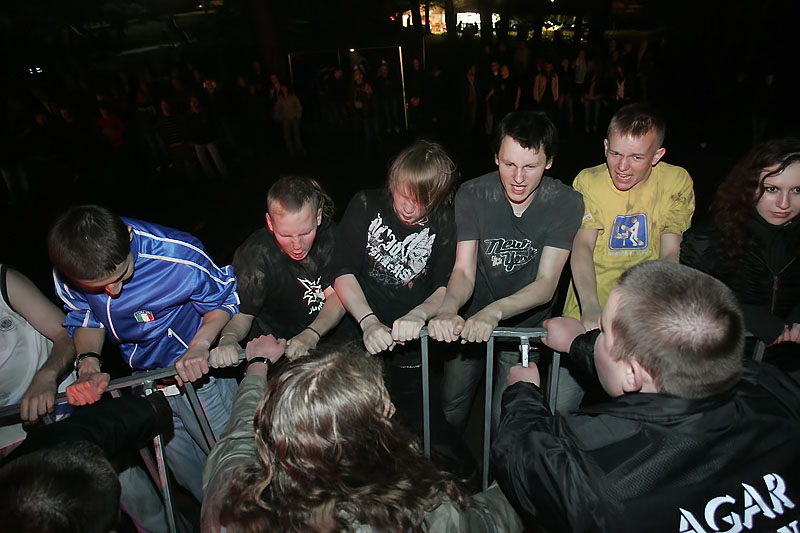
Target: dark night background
699,50
709,62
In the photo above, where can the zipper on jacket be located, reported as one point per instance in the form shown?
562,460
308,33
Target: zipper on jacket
171,333
776,281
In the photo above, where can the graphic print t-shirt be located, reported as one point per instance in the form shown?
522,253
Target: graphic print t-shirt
397,266
510,247
284,295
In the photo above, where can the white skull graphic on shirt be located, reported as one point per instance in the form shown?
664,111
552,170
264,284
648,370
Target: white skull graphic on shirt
397,262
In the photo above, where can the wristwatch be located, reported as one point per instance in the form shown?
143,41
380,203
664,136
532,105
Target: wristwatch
262,360
85,355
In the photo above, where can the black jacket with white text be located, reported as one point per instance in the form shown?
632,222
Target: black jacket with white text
655,462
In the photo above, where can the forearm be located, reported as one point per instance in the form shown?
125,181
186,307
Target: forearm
236,445
61,359
212,324
585,278
89,340
352,297
330,314
238,327
431,305
459,290
537,293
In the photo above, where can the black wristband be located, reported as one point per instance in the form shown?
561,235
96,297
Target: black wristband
315,331
86,355
258,360
365,317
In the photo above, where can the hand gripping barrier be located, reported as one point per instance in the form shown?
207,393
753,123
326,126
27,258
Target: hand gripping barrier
10,415
524,335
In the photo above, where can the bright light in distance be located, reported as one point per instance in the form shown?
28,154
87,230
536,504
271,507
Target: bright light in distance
352,49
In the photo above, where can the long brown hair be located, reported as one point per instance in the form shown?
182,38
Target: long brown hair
328,457
737,196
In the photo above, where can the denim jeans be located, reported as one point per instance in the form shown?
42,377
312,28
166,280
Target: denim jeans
184,455
140,499
463,374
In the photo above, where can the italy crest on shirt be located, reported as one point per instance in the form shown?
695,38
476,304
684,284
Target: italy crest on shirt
629,232
143,316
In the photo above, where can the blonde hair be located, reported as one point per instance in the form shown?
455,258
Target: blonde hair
427,171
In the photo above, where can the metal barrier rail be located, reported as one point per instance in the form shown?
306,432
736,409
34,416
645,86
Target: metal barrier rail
524,335
10,415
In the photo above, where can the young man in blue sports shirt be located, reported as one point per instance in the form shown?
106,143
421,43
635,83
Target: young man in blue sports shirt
159,296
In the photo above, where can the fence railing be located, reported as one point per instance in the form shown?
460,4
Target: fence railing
148,380
524,335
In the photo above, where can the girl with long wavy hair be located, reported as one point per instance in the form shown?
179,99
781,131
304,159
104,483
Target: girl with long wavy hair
314,448
754,242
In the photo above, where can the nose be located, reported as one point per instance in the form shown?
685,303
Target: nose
624,163
297,243
519,175
783,200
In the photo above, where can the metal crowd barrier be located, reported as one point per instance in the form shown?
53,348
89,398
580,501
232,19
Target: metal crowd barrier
524,335
10,415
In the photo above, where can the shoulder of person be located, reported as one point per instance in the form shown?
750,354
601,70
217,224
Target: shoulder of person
672,175
163,236
594,431
591,177
556,194
260,239
480,184
366,198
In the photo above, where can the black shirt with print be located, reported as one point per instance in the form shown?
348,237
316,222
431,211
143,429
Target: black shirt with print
282,294
397,266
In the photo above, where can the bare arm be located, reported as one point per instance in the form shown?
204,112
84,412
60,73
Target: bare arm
446,325
584,277
408,326
331,313
227,351
193,364
670,247
45,318
377,336
479,326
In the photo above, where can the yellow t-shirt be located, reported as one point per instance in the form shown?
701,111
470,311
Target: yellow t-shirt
630,223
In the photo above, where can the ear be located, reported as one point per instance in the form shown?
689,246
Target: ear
638,379
496,160
549,164
319,216
605,147
631,381
130,233
658,155
269,223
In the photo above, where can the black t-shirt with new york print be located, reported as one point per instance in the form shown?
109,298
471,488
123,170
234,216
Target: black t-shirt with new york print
510,247
397,266
282,294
